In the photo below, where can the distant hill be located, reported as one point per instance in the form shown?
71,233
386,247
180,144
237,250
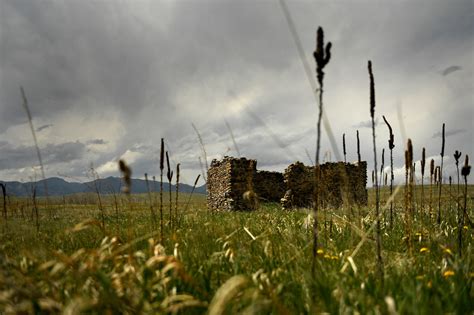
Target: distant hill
59,187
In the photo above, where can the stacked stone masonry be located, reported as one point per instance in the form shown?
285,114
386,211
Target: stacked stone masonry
235,184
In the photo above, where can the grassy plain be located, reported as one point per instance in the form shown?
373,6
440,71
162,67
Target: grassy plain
227,263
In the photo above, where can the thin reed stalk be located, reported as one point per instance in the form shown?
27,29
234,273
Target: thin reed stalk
38,152
204,153
423,165
441,176
358,147
177,195
344,146
150,200
162,166
4,193
377,193
191,194
391,146
465,171
169,175
432,169
321,55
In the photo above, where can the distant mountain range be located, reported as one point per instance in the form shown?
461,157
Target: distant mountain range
60,187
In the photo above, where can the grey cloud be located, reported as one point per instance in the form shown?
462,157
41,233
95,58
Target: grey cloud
366,124
25,156
161,65
97,141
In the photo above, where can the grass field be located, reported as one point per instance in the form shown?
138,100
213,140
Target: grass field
227,263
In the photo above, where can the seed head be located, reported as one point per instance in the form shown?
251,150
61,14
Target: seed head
457,155
423,162
466,169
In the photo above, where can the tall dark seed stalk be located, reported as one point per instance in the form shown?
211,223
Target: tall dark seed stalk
344,146
4,193
408,194
35,208
169,174
377,193
441,177
432,169
391,145
423,165
358,147
381,172
177,195
190,195
162,166
322,55
150,200
465,171
457,155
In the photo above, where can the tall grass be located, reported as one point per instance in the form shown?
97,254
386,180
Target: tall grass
321,55
378,231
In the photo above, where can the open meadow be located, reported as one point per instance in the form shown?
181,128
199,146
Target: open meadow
230,262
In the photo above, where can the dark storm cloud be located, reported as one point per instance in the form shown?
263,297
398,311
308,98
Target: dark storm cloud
158,66
25,156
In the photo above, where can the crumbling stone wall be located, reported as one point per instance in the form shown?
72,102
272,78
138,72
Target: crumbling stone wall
299,181
235,184
269,186
230,184
340,184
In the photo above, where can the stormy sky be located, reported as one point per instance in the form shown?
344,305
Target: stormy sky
108,79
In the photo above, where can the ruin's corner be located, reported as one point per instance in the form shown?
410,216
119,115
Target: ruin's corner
235,184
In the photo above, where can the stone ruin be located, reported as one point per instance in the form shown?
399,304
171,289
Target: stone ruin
235,184
341,184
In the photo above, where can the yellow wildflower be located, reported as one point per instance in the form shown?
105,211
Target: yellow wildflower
448,273
465,227
424,249
320,251
448,251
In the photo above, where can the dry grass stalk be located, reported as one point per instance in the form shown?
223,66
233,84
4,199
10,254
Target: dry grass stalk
441,176
191,194
344,146
96,178
457,155
358,147
4,193
162,166
233,138
38,152
204,153
127,177
465,171
177,195
423,165
377,193
391,146
409,193
150,200
321,55
432,171
169,175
